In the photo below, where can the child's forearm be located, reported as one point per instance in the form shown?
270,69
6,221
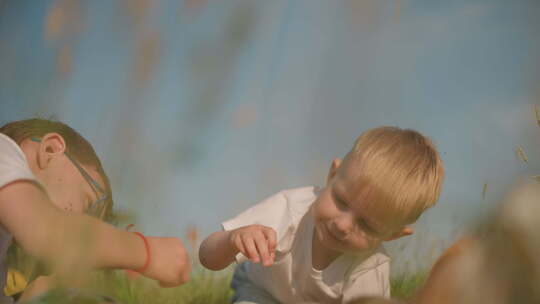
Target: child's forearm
55,236
216,251
114,248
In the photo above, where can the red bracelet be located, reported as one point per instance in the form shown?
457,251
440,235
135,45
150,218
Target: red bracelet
147,247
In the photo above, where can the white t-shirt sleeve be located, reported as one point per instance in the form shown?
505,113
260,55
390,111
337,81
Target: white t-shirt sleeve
372,282
273,212
13,164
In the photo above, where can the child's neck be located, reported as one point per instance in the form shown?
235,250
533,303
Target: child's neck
321,257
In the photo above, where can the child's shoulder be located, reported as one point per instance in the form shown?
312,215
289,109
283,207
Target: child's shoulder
298,200
7,145
289,203
13,163
302,195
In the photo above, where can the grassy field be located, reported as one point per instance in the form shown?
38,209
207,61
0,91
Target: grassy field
204,287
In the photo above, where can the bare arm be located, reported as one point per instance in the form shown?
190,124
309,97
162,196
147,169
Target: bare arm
256,242
442,284
216,251
66,240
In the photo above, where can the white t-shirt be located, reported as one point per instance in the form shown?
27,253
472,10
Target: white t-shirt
292,278
13,163
13,167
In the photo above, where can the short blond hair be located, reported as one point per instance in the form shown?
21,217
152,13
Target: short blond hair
399,168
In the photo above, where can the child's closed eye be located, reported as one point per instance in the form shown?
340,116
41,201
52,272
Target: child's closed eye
339,203
367,228
364,226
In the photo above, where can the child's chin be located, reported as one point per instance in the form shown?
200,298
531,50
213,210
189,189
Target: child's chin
335,245
352,249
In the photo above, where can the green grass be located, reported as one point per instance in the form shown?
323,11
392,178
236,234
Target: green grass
204,287
404,286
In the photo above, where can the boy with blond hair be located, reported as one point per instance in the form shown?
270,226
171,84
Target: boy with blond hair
322,245
49,174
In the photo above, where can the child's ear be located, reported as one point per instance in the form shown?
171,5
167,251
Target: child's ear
333,169
405,231
51,146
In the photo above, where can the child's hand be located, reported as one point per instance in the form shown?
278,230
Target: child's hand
169,262
256,242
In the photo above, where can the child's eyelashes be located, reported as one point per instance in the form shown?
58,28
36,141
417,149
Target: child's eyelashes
365,226
340,203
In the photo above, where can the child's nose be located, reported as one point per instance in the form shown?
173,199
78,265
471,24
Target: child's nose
344,225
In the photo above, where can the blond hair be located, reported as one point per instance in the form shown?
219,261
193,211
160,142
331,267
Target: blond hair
398,168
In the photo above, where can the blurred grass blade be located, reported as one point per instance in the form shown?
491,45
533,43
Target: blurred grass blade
521,154
537,114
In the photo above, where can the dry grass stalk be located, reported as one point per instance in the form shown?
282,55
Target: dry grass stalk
146,58
63,20
64,60
537,114
521,154
484,191
398,10
365,13
192,235
194,4
139,9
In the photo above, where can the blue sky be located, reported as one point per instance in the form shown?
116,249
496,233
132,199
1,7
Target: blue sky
247,98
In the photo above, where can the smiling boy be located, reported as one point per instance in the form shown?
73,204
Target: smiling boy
323,245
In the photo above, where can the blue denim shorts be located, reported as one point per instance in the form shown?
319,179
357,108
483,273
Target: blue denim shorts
246,292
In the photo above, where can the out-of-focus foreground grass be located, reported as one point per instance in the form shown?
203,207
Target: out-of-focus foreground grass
205,287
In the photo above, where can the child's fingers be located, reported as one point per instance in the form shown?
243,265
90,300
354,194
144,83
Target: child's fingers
240,246
251,249
262,247
270,235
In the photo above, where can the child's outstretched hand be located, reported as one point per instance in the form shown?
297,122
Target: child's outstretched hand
169,262
256,242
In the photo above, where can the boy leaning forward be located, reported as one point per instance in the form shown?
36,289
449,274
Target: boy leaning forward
323,245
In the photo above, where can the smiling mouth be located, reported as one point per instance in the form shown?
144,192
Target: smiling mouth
332,235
